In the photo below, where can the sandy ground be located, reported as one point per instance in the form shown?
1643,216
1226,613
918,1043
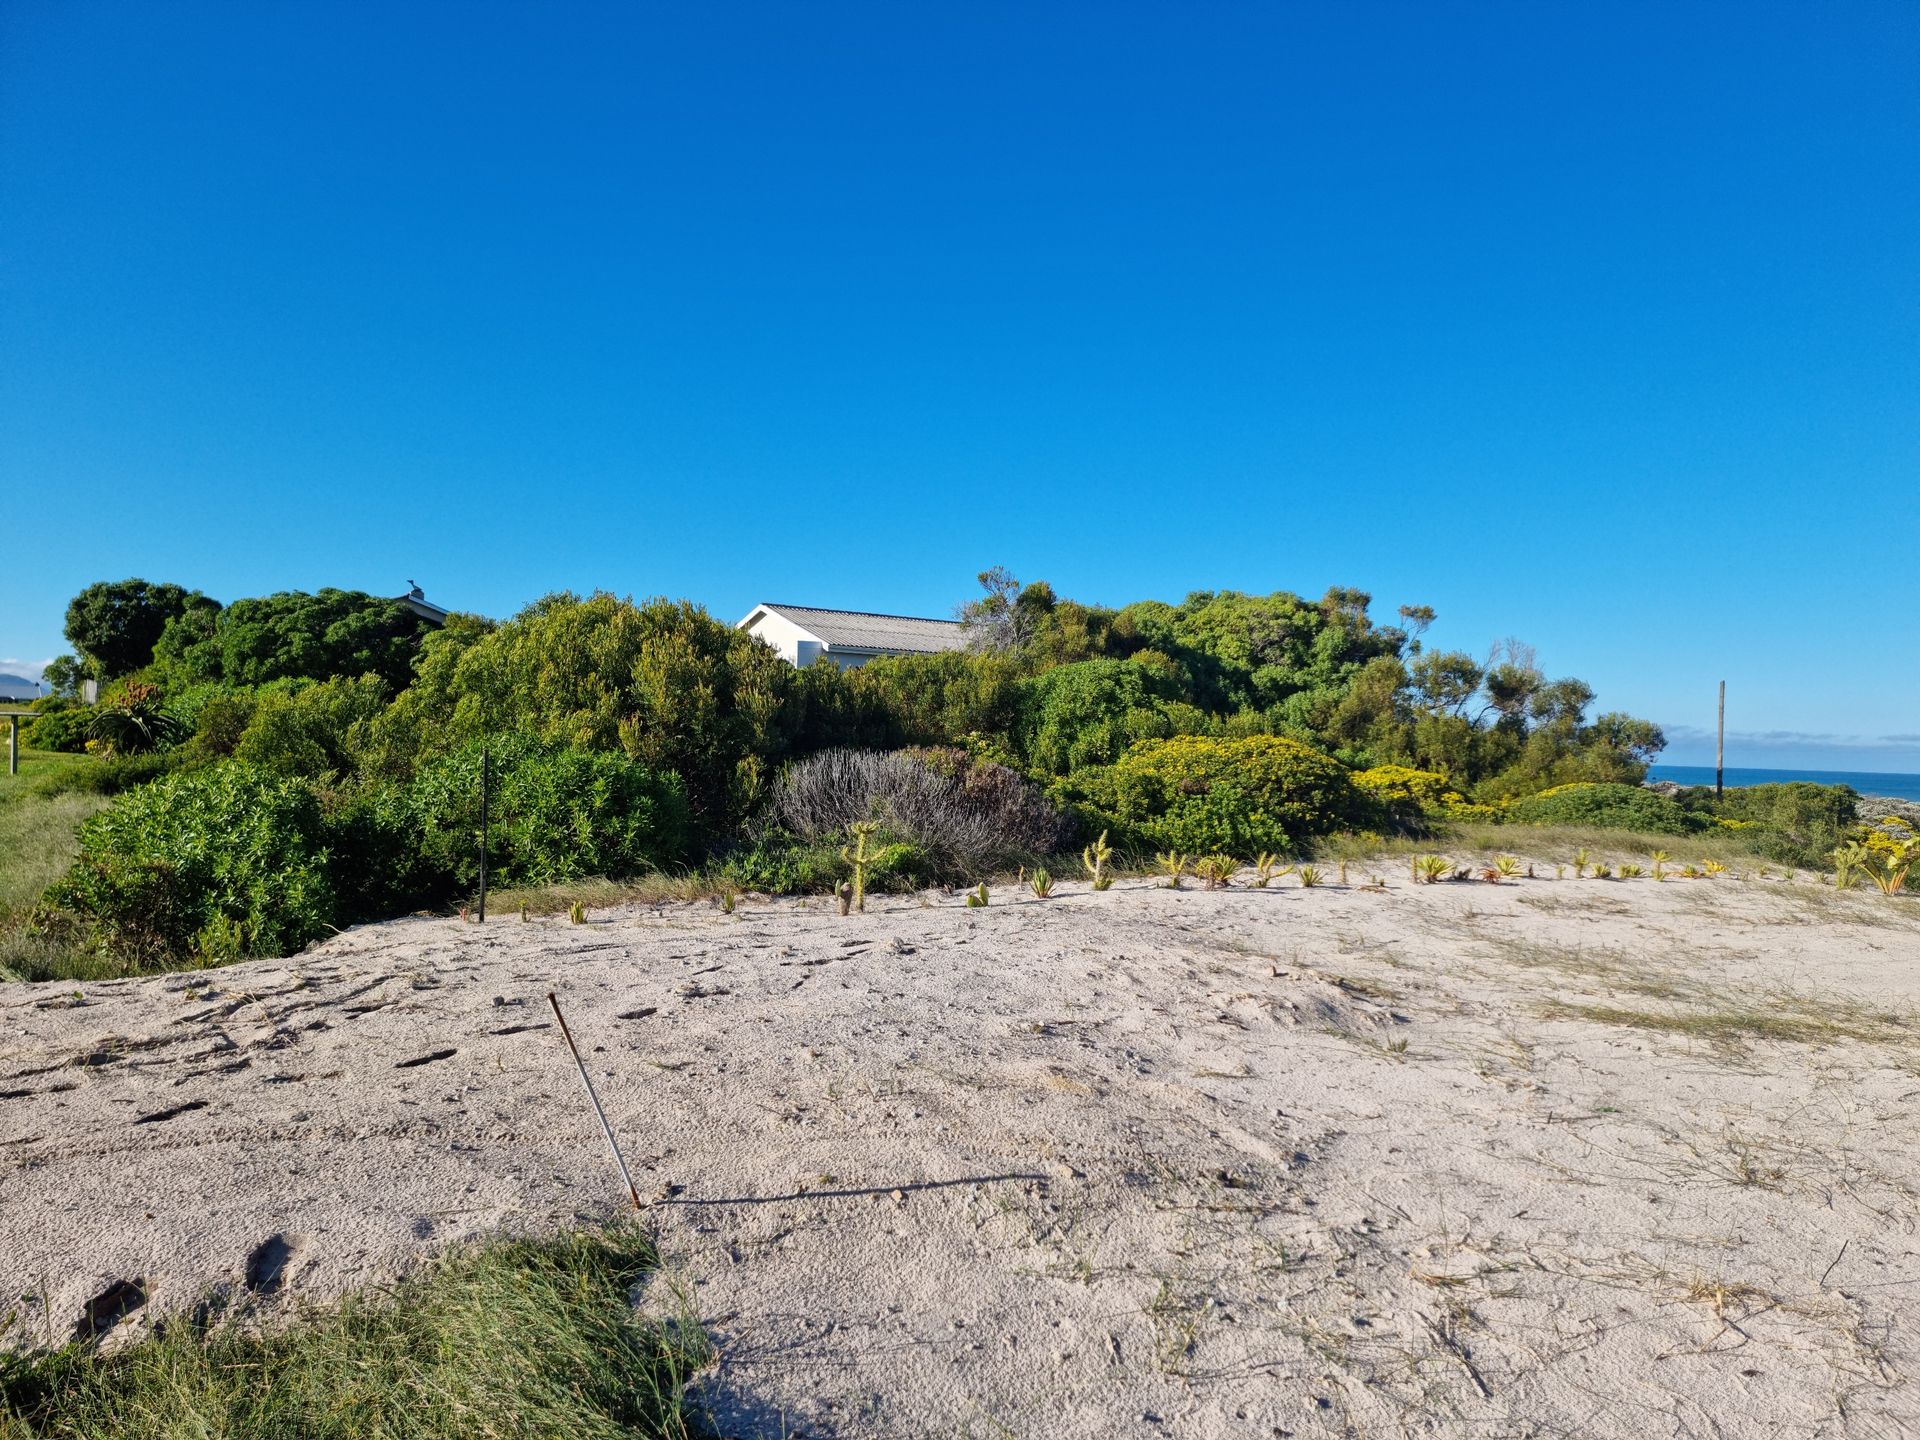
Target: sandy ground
1433,1160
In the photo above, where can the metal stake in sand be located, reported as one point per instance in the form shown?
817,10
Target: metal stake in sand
486,778
594,1100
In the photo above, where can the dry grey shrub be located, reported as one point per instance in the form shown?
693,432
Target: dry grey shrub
967,818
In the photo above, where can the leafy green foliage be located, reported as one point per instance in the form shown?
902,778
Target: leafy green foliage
295,636
662,682
114,625
226,844
311,730
1088,713
60,725
1198,794
564,814
1795,823
1605,807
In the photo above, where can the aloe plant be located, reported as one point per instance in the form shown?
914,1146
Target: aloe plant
1042,884
1428,869
1266,868
1216,870
1309,876
1580,862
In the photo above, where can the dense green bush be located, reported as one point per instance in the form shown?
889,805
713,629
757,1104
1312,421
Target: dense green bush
1075,716
225,858
294,636
562,814
1796,823
1605,807
64,728
1199,794
663,683
114,625
311,730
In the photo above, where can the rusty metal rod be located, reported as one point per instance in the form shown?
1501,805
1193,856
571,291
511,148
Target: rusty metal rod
594,1100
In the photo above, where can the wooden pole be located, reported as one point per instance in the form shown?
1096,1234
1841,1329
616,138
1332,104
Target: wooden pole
1720,749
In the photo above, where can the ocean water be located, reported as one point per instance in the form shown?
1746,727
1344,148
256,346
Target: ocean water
1866,782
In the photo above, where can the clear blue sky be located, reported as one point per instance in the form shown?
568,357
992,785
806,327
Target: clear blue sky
1595,325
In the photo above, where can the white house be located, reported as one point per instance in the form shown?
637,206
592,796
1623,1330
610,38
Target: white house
802,634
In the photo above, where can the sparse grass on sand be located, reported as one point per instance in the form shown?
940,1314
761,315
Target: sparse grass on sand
600,893
1552,844
513,1338
1790,1018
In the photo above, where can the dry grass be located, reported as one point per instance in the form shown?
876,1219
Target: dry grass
602,894
1791,1019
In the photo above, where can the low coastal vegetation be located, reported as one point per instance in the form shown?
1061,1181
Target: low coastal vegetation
512,1338
256,775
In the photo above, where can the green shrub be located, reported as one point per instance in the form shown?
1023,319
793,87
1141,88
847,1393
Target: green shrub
663,683
557,815
1604,807
1199,794
195,852
1075,716
112,775
781,863
1795,823
65,729
294,636
313,730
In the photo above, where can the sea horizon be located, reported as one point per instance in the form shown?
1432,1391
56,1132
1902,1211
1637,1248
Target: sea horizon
1866,782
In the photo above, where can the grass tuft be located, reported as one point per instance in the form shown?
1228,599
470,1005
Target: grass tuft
512,1338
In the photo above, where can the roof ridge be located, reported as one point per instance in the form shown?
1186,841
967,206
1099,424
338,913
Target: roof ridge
868,614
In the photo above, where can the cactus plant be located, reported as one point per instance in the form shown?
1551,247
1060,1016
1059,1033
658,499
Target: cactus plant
1267,867
1095,858
1580,862
977,898
858,858
1173,865
577,912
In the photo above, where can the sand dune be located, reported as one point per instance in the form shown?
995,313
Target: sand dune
1539,1158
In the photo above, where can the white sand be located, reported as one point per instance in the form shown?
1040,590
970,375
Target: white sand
1083,1167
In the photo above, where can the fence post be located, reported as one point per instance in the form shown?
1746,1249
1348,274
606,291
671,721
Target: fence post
486,778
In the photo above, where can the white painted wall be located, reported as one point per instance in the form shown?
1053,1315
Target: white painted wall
787,638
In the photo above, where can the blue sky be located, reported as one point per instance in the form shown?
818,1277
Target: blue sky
1598,326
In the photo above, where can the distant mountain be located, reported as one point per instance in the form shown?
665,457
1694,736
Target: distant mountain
18,687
